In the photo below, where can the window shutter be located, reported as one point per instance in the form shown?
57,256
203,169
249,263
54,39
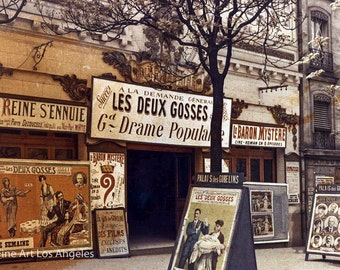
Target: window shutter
322,115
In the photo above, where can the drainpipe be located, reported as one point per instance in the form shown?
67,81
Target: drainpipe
304,203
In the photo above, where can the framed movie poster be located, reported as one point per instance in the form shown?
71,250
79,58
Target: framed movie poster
207,228
44,209
107,180
111,231
324,231
269,212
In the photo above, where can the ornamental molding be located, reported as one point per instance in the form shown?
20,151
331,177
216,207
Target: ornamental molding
283,118
237,108
4,70
139,68
76,88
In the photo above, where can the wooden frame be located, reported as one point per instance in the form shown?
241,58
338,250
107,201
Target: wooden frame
111,232
215,204
47,215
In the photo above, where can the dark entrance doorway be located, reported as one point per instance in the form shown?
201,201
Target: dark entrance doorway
152,195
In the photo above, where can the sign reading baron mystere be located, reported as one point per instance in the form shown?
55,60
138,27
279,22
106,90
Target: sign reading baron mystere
136,113
263,136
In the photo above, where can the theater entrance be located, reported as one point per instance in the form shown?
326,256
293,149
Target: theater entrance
157,185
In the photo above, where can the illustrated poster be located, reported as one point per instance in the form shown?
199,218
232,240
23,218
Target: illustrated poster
207,229
107,180
45,209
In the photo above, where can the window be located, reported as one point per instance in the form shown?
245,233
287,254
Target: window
257,164
322,113
319,34
322,122
319,26
37,145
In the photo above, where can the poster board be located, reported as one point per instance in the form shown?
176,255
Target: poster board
324,230
45,210
111,232
107,180
293,181
222,232
269,212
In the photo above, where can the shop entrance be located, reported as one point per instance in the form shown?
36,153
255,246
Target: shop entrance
154,180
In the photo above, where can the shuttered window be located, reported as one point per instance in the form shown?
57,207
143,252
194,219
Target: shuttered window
322,113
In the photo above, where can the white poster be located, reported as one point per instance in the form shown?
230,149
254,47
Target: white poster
128,112
107,180
293,181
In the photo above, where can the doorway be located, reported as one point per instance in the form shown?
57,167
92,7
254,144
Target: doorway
152,195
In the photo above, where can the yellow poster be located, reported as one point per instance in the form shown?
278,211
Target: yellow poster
207,229
44,209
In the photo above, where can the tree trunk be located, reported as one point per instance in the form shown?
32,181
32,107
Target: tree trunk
216,125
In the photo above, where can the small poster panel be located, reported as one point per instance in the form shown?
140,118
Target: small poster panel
107,180
262,213
324,232
45,209
324,180
207,229
293,181
111,231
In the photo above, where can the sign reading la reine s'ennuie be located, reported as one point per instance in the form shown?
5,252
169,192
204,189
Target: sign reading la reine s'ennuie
263,136
136,113
17,112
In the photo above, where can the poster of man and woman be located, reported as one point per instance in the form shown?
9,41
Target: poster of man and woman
207,229
44,206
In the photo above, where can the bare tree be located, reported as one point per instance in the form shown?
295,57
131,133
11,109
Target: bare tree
210,28
10,10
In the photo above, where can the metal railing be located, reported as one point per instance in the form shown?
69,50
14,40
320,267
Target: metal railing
324,140
323,61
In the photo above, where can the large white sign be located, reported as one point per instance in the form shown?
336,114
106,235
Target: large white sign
22,113
263,136
129,112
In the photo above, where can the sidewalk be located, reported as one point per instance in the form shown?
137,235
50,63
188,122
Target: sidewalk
273,259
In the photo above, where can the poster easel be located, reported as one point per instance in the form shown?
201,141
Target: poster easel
269,212
220,205
324,230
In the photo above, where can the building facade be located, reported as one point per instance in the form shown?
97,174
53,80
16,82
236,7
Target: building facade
319,99
264,124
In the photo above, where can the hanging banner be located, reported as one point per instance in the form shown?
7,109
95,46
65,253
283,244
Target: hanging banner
20,112
107,180
128,112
